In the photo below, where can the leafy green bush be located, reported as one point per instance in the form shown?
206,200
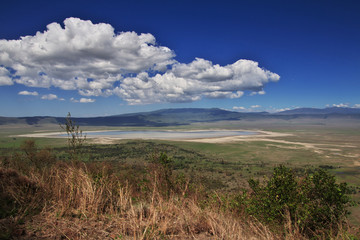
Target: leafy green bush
315,204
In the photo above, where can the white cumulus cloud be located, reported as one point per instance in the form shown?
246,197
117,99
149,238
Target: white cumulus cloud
5,78
82,55
52,97
282,109
239,108
341,105
262,92
87,100
27,93
253,108
97,61
82,100
190,82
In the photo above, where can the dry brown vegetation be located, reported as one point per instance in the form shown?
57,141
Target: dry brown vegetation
77,200
42,197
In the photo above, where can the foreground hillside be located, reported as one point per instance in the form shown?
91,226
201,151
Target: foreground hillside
277,187
44,197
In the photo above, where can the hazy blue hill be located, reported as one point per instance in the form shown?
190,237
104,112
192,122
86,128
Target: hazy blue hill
183,116
30,120
189,115
163,117
332,110
11,120
177,116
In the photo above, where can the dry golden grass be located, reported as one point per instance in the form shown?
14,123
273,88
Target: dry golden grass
75,205
84,201
76,193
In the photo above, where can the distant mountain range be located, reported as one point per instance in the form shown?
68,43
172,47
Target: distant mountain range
332,110
183,116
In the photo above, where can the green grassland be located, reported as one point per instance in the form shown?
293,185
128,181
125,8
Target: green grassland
225,166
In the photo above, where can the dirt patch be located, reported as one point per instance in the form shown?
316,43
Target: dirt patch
266,136
104,140
263,136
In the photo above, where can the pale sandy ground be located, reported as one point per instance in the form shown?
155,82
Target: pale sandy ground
256,137
265,136
39,134
42,134
261,136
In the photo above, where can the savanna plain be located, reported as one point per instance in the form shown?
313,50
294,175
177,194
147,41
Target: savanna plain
284,183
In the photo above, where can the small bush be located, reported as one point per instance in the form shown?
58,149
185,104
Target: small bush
315,204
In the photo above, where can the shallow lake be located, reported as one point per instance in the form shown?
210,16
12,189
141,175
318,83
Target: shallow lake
167,134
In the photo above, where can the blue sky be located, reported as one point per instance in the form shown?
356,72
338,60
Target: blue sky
136,56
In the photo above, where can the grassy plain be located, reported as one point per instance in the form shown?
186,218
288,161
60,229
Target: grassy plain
227,166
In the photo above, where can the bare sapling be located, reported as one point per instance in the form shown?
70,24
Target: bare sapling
76,138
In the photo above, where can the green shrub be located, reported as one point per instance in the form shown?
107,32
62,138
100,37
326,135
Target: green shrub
315,204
